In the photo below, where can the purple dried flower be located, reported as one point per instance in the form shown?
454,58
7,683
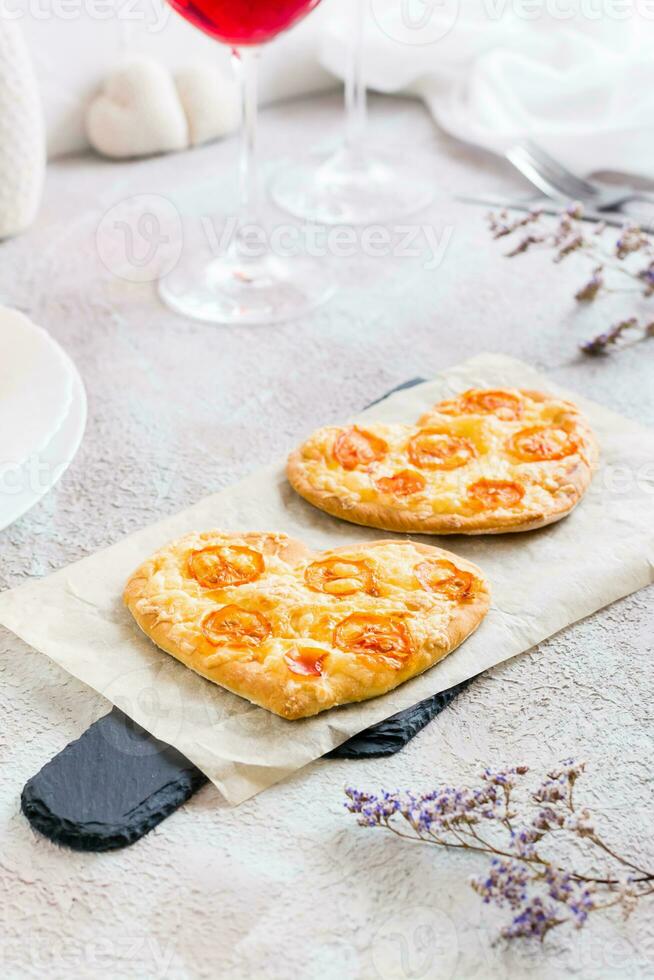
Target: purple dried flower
575,210
581,907
569,769
560,885
447,807
548,819
552,791
590,290
627,897
535,920
523,245
580,823
501,226
565,228
371,809
504,884
604,342
503,777
646,275
576,895
523,841
632,239
570,245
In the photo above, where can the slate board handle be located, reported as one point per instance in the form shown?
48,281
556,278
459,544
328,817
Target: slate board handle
117,782
110,787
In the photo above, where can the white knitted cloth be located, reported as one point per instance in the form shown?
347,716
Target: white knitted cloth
22,138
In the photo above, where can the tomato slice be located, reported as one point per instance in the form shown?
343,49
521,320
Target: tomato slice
445,578
234,626
480,401
356,447
402,484
491,494
340,576
542,442
222,565
383,638
435,450
305,661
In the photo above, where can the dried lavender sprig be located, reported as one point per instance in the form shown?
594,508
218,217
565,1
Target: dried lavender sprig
610,339
589,290
500,225
567,236
456,817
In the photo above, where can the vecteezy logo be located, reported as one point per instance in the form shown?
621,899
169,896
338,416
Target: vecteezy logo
417,22
418,943
140,239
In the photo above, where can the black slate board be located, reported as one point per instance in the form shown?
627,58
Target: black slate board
392,734
110,787
117,782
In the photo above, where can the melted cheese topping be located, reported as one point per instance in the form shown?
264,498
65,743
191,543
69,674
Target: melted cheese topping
445,490
303,621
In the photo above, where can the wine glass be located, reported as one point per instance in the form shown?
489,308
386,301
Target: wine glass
353,186
242,285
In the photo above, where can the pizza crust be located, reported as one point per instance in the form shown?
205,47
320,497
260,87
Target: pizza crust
169,606
567,479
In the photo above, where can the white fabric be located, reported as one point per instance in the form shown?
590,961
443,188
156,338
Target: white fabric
575,74
492,71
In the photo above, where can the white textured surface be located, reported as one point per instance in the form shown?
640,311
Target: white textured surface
287,885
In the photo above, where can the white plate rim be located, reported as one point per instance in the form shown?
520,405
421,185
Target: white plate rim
57,407
54,458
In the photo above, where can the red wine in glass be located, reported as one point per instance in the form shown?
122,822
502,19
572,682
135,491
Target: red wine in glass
240,22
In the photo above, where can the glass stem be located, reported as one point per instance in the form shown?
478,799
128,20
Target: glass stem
246,66
355,89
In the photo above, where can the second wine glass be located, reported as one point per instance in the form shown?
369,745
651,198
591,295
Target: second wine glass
354,185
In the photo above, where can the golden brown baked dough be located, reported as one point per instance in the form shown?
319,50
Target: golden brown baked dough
297,632
485,462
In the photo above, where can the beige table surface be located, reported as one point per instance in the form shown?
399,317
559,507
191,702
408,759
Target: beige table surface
287,885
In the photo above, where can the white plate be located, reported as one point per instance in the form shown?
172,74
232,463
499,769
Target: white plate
23,486
36,381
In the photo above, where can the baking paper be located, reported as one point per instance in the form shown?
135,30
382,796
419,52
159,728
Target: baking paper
541,582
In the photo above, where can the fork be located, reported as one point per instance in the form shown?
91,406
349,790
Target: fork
555,181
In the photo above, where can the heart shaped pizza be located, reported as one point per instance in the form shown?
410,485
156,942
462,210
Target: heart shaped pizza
298,632
484,462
